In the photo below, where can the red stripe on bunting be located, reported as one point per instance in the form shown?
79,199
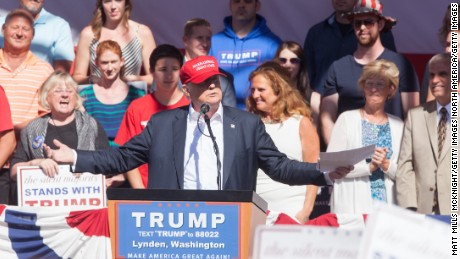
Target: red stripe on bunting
2,208
328,219
90,222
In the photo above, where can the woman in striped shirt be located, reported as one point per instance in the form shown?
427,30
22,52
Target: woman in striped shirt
111,21
109,97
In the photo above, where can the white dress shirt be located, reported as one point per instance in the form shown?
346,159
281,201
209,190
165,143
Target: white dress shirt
200,162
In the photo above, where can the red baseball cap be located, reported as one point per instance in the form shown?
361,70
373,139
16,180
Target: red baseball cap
199,69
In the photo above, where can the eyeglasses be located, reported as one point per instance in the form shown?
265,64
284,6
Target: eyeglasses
293,61
374,85
368,23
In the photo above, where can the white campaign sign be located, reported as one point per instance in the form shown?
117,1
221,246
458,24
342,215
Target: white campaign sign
64,190
295,241
395,233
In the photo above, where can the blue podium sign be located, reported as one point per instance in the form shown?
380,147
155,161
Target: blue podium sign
172,229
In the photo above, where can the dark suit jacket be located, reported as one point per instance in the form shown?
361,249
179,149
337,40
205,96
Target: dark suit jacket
247,147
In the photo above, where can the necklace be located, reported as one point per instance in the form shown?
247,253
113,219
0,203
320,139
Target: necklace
363,114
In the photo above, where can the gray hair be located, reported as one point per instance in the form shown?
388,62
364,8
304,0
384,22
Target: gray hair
441,57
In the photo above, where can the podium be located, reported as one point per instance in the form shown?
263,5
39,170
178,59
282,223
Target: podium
154,223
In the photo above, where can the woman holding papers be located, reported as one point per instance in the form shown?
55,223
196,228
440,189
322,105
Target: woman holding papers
372,179
287,119
64,122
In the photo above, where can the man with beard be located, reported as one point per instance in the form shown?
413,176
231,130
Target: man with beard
341,92
332,39
52,41
326,42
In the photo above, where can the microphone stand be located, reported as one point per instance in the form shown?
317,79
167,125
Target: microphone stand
216,150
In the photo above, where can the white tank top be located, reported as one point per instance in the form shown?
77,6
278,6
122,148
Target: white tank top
282,197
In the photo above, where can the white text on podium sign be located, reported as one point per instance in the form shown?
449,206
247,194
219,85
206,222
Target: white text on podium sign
177,230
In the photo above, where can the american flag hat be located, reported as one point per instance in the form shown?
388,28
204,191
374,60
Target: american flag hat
371,7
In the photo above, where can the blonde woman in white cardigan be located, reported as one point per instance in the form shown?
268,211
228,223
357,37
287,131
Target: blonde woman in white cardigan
372,179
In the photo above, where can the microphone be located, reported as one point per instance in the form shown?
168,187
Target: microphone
216,148
205,107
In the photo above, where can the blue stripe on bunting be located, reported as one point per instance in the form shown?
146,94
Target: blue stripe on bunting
25,235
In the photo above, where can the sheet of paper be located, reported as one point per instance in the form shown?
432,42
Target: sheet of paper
329,161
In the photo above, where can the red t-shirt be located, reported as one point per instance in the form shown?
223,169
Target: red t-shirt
136,118
5,113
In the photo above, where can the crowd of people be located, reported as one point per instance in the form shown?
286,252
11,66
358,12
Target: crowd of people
153,116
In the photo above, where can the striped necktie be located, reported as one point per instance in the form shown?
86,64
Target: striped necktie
442,130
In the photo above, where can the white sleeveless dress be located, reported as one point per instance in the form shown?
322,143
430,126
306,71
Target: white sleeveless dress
282,197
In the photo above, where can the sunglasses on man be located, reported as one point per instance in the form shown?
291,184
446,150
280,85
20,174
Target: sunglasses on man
366,22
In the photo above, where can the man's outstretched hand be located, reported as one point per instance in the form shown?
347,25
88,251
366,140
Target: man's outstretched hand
62,155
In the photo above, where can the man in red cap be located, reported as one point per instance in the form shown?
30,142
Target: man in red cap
180,145
197,42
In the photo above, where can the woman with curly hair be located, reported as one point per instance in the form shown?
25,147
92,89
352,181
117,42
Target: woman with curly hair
287,120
